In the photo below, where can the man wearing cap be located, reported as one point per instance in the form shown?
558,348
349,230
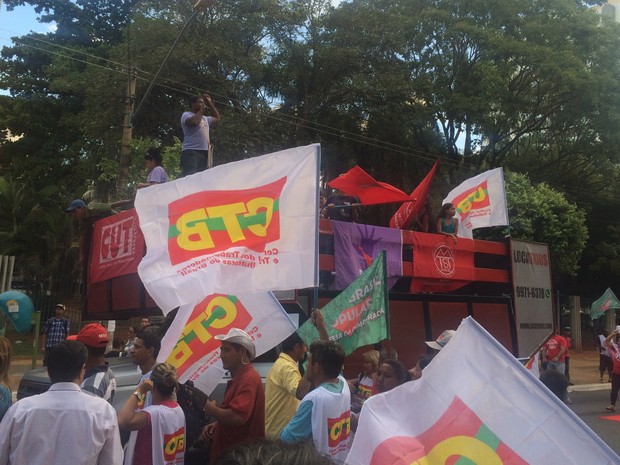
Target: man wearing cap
99,379
442,340
55,330
79,210
241,416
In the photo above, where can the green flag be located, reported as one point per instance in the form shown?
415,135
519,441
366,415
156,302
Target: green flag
358,315
605,302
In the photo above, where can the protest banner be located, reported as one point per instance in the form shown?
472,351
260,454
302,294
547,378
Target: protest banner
475,403
117,247
190,344
249,225
358,315
480,202
605,302
357,245
404,216
367,189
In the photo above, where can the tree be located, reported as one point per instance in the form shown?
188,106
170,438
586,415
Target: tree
539,213
34,228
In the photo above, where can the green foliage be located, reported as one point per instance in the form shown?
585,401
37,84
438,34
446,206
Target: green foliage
391,86
539,213
35,229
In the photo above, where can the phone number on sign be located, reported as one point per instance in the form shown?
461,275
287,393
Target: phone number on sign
533,292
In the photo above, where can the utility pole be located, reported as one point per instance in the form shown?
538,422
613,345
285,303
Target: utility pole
199,7
130,99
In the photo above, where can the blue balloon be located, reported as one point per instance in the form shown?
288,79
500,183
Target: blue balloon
18,308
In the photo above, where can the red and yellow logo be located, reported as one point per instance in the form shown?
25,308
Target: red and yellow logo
214,315
458,436
212,221
174,444
349,317
339,429
476,198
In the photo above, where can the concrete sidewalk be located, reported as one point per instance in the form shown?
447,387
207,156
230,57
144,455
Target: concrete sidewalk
583,371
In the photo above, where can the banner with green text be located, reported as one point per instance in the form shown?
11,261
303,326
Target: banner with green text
605,302
358,316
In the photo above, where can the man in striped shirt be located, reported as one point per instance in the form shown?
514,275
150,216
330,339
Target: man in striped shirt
99,379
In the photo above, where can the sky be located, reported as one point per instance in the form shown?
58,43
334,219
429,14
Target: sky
19,22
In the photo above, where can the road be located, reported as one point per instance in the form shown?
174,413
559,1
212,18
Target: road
590,407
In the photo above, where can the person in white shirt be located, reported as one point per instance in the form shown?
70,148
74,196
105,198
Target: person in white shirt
160,427
324,414
64,424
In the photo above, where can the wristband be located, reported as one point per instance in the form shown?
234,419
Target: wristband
138,395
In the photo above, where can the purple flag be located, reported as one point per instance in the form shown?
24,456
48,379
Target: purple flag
357,245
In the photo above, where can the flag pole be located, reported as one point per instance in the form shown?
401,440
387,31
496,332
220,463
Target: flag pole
386,304
315,296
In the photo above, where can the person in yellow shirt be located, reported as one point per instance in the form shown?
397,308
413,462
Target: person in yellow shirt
285,386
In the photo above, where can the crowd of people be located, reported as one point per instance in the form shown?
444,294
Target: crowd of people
306,409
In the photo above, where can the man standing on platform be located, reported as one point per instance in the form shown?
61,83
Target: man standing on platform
196,134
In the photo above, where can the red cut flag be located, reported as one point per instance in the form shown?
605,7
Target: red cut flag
440,264
359,183
118,247
405,214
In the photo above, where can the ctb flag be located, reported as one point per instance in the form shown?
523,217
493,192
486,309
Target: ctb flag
358,316
190,344
475,404
245,226
480,202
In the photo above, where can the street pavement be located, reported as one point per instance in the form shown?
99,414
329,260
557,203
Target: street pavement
590,405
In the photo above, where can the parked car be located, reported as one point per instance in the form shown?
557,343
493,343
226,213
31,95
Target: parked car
127,377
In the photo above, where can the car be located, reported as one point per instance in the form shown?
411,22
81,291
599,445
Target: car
127,376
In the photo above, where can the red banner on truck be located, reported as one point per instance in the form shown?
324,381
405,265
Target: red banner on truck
117,247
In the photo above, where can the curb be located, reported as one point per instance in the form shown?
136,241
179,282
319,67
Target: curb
590,387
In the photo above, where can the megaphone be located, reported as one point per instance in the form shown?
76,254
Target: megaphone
18,307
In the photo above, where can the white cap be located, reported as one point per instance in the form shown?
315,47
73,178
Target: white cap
442,340
239,336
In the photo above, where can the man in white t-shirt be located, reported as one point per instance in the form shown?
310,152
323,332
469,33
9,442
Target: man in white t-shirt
196,135
324,414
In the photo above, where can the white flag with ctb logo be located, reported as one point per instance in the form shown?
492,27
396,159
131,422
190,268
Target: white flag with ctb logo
247,226
480,202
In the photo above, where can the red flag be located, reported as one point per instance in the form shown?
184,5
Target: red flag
405,214
118,247
440,264
358,182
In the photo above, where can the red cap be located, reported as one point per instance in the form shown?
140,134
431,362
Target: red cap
73,337
93,335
